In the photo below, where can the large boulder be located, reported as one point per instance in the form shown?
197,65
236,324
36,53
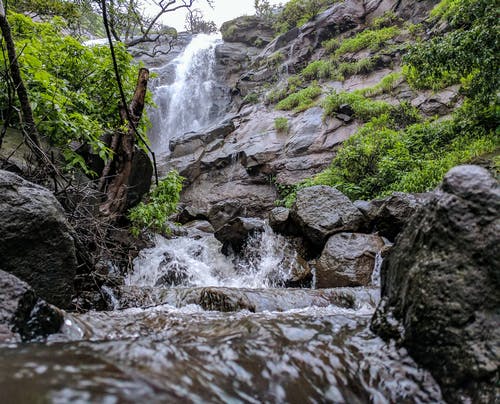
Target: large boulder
440,286
321,211
348,259
35,239
22,313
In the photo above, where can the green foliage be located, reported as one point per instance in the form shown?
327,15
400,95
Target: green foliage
319,69
361,66
301,100
281,124
70,11
293,84
297,12
275,59
388,19
161,203
467,55
251,98
72,88
331,45
364,108
372,39
386,85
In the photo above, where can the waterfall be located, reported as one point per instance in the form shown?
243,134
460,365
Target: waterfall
186,102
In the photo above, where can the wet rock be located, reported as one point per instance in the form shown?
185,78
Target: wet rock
255,300
348,259
174,273
321,211
23,313
250,30
281,222
388,216
35,239
199,227
415,11
222,212
440,286
235,233
189,214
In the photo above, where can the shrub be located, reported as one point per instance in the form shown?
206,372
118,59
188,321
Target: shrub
319,69
364,109
369,38
161,203
281,124
301,100
386,85
331,45
251,98
362,66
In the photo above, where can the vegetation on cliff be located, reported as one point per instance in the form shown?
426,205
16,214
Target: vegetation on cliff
398,148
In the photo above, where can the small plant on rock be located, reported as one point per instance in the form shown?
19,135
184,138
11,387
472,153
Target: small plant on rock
281,125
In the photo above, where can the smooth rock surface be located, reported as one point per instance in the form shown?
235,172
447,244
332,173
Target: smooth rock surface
348,259
440,286
35,239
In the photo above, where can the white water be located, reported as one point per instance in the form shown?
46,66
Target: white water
186,262
185,105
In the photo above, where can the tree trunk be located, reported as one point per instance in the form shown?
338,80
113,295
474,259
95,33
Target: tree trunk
116,201
30,131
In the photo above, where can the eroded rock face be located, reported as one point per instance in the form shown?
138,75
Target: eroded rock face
321,211
440,286
35,239
250,30
348,259
235,233
22,313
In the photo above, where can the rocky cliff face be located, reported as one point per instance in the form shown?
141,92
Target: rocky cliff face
248,155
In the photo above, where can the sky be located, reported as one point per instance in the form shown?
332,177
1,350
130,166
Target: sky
223,10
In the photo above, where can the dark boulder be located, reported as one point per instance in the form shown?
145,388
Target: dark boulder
140,178
236,232
281,221
348,259
222,212
35,239
440,286
23,313
321,211
388,216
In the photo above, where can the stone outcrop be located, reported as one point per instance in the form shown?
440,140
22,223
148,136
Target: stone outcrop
321,211
35,239
348,259
440,286
249,30
22,313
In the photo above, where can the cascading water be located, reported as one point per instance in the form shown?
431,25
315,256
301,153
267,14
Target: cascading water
186,103
187,262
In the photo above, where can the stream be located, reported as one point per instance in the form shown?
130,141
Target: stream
191,325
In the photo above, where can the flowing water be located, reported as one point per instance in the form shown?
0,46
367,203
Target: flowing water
191,325
186,103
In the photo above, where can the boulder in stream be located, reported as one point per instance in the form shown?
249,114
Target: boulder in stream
321,211
235,233
348,259
23,313
440,286
35,239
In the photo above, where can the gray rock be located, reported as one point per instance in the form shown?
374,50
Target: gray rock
440,286
281,221
235,233
348,259
250,30
23,313
321,211
388,216
35,239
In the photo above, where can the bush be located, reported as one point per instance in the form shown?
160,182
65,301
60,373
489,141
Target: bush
319,69
297,12
251,98
162,202
369,38
301,100
364,109
281,124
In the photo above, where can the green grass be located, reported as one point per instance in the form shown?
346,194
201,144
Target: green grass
364,108
386,85
301,100
281,125
371,39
